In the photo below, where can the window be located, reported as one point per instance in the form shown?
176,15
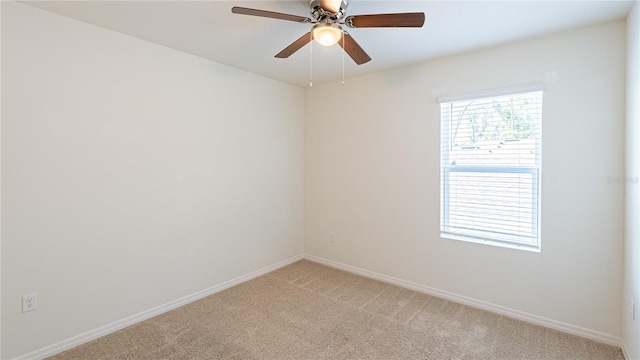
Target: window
490,167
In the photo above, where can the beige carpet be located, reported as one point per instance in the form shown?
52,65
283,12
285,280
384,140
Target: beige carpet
310,311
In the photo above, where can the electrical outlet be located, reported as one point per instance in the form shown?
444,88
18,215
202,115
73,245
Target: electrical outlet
633,310
29,302
332,237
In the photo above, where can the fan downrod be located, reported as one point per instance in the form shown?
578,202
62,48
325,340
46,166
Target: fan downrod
328,11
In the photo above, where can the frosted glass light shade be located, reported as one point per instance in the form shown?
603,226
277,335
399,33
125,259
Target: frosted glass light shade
327,34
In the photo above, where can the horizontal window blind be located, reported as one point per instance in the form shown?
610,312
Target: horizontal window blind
490,168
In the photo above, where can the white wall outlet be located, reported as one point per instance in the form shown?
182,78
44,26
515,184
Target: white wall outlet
632,311
29,302
332,237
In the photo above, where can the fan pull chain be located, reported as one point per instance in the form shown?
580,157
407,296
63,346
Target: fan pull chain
311,60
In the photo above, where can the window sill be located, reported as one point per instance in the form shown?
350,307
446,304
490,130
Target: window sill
490,242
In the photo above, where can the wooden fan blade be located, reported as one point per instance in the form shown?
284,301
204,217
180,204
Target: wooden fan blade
295,46
269,14
385,20
354,50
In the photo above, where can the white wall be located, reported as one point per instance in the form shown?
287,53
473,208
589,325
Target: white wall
372,177
133,175
631,328
0,182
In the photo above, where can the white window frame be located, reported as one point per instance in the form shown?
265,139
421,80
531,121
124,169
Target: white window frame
445,169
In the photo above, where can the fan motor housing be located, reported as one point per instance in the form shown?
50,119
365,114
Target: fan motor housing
323,15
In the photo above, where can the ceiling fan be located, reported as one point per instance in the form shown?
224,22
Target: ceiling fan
328,16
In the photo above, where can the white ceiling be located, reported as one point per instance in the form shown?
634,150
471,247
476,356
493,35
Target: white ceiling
208,29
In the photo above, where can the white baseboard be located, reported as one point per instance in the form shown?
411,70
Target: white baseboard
625,350
131,320
498,309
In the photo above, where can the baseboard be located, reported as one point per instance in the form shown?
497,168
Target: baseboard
498,309
131,320
625,350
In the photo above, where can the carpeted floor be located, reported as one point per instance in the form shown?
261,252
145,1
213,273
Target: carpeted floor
310,311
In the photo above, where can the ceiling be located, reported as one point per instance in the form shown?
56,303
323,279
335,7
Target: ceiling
208,29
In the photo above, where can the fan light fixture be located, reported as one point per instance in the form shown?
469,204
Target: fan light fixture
327,34
328,15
